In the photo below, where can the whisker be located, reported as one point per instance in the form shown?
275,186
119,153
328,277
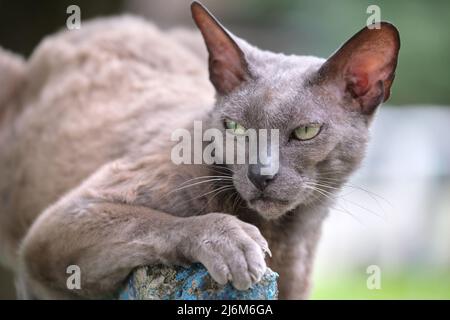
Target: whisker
235,202
216,194
341,209
221,188
209,192
205,177
374,196
221,168
194,184
355,204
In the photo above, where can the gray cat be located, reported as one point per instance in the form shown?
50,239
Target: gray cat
87,177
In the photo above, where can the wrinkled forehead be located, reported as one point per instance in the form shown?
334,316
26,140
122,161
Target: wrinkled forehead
279,95
281,104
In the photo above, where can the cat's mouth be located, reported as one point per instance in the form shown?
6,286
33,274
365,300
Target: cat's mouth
268,207
265,198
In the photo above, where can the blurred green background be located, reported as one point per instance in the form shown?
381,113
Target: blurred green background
308,27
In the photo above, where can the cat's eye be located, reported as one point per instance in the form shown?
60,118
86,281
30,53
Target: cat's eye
235,127
307,132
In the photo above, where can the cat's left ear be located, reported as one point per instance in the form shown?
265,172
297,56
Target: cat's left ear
363,69
228,68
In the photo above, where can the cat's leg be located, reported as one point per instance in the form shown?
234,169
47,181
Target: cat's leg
295,278
108,240
293,259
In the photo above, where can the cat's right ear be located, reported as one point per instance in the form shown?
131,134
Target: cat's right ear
363,69
227,65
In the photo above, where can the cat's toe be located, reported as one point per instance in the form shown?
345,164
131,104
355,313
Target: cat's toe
240,277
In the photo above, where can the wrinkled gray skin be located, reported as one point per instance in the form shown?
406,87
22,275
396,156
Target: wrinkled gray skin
111,198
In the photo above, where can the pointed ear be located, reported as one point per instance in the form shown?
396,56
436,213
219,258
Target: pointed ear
363,69
227,64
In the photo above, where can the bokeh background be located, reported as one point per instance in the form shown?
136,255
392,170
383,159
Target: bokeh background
395,212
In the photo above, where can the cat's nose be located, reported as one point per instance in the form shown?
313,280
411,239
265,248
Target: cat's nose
254,175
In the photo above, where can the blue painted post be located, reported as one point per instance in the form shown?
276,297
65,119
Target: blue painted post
193,283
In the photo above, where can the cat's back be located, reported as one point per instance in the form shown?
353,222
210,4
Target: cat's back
90,96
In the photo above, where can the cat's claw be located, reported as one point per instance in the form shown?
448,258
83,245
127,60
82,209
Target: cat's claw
267,251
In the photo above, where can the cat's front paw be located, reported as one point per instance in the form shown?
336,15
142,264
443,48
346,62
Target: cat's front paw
229,248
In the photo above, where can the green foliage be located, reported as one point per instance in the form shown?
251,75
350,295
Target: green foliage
320,26
418,284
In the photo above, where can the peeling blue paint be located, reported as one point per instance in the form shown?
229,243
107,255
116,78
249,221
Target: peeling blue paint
193,283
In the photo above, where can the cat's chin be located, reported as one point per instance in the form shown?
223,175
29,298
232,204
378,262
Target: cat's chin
270,208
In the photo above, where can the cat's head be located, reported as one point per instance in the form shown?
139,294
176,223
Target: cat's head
322,109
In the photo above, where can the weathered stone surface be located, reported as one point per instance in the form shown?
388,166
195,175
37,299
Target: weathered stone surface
193,283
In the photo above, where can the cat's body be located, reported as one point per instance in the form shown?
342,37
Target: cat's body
87,177
87,98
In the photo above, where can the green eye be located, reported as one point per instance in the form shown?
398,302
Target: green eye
307,132
235,127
